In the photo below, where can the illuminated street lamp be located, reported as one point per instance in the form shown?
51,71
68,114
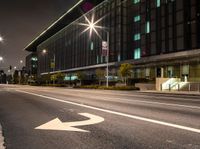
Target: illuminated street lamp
44,51
1,38
53,64
1,58
92,27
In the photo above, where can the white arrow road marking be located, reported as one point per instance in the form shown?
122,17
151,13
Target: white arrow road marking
196,130
56,124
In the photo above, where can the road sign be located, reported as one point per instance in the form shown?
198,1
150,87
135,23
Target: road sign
104,48
56,124
52,64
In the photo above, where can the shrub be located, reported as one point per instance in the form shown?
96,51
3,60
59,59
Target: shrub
125,88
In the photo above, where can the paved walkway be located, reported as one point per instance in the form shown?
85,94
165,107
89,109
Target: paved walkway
1,139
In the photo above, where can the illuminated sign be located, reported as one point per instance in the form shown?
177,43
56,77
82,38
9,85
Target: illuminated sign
87,6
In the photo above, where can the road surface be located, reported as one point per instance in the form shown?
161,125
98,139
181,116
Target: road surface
60,118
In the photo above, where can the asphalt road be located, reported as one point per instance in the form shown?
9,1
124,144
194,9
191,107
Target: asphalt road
91,119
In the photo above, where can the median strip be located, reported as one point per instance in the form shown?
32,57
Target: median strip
118,113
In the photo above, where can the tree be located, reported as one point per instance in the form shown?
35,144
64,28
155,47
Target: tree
2,77
16,77
53,78
59,77
9,79
46,78
100,75
125,71
81,76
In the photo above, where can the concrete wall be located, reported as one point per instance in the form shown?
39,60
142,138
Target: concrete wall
194,73
160,81
146,86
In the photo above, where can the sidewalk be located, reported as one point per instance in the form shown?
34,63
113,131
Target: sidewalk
191,93
1,139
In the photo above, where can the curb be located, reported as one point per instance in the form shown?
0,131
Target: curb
173,93
1,139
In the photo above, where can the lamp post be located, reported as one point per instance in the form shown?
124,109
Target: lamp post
1,40
92,27
44,51
107,70
20,71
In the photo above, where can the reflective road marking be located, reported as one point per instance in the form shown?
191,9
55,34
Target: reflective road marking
56,124
119,113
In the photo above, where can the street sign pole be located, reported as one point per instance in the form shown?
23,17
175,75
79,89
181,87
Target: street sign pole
105,52
107,83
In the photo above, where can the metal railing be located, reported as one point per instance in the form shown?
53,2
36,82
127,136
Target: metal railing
183,86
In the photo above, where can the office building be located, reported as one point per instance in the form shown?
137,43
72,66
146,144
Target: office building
161,38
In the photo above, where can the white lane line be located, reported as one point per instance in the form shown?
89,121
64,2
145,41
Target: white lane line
140,96
122,94
132,100
159,103
143,94
118,113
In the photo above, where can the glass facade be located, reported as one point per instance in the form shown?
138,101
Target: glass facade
165,26
137,29
74,48
31,64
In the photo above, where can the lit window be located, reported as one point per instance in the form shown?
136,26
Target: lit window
119,58
136,1
158,3
137,53
97,59
137,18
137,37
34,58
148,27
92,46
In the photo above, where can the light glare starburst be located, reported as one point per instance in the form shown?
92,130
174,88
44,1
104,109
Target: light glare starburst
91,25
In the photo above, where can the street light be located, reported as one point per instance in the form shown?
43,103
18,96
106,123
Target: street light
1,58
92,26
1,38
44,51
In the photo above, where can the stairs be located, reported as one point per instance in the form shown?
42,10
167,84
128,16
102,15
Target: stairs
175,84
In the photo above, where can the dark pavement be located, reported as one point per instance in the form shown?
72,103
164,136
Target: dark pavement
132,120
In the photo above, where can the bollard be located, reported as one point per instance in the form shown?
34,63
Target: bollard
189,87
199,87
160,87
178,87
169,87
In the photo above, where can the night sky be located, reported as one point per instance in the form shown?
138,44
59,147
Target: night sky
23,20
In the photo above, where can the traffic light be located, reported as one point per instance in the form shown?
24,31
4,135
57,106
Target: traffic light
10,67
